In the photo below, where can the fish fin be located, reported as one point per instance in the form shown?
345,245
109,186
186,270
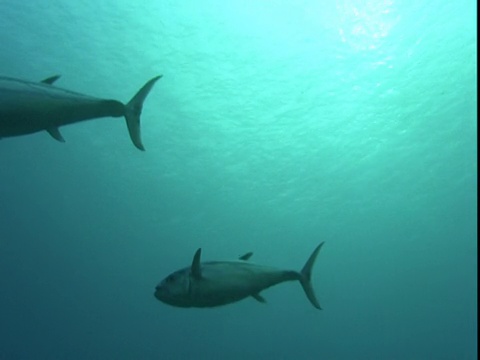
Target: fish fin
306,275
246,256
133,110
259,298
55,133
50,80
195,269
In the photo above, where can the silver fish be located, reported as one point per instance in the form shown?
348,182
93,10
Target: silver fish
28,107
215,283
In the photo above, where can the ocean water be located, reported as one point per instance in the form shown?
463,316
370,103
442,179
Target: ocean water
276,125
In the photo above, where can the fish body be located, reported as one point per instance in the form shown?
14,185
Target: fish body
216,283
28,107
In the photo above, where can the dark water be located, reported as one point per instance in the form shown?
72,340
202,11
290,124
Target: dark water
277,125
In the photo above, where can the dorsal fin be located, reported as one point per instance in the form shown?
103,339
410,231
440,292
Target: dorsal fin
50,80
195,269
246,256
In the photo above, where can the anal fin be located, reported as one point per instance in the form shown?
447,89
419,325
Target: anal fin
259,298
55,133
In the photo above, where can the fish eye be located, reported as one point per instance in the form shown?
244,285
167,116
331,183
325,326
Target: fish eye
170,278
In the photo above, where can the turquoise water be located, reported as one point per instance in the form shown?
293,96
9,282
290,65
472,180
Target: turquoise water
276,125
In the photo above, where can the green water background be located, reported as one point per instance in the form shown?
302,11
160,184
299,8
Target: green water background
277,125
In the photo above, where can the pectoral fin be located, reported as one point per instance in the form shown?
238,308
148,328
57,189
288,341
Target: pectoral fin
259,298
55,133
195,269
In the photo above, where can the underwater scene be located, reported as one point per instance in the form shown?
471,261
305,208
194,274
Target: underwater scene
238,179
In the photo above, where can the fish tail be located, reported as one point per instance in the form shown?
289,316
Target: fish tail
306,275
133,110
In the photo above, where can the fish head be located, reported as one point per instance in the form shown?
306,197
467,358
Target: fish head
175,289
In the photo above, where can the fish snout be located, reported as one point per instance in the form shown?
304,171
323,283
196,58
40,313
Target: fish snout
158,292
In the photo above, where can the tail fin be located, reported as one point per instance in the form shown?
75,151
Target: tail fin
306,275
133,110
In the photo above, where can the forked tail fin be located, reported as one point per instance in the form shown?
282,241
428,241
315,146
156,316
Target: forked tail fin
133,110
306,275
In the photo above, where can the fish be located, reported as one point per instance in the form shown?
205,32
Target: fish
216,283
28,107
